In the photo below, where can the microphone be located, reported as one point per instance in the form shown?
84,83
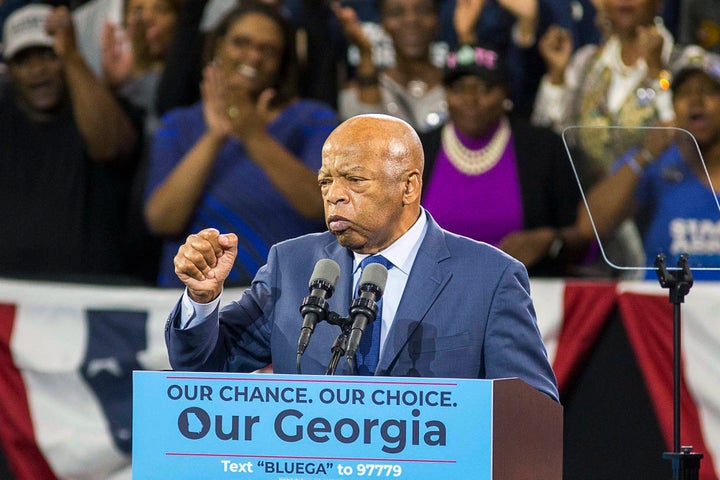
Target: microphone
363,309
314,307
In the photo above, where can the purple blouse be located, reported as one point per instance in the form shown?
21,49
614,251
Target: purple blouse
485,207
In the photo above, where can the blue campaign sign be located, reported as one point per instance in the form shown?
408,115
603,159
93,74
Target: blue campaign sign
265,426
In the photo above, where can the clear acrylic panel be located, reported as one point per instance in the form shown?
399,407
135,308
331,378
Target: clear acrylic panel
647,192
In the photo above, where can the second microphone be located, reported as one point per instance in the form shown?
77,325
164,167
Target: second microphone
364,308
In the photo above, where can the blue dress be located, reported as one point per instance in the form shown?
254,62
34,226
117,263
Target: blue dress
678,213
238,196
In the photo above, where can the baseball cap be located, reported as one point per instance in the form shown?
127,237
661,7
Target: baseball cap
482,62
25,28
695,59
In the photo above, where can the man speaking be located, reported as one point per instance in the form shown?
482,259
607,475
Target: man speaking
450,306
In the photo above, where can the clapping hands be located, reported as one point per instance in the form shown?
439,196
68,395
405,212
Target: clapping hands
233,111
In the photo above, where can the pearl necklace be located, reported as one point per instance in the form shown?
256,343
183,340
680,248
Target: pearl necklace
475,162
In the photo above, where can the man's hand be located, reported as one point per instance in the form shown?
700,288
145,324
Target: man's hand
465,18
204,261
116,54
526,10
650,41
60,26
351,26
526,15
556,48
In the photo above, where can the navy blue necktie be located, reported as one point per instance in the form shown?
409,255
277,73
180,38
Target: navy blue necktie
368,353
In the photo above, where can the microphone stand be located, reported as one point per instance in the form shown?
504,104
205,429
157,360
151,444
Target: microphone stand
340,345
685,462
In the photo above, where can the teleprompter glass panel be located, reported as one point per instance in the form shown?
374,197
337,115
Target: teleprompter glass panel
647,192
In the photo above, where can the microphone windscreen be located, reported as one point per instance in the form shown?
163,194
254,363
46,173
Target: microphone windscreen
374,274
326,270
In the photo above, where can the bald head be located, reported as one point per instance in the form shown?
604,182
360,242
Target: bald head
391,137
371,179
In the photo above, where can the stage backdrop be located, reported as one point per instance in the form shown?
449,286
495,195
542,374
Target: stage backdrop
67,353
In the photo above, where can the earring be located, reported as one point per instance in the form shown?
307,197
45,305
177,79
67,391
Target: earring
507,105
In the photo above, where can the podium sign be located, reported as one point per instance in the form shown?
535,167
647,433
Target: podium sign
267,426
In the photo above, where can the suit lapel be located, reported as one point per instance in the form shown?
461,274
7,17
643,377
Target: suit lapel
427,279
343,288
323,338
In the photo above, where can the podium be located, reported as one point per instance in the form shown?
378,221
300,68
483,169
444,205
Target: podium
219,425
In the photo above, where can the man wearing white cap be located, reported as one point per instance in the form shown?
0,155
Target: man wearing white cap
64,156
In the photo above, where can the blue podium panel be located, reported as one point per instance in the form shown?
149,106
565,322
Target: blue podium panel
265,426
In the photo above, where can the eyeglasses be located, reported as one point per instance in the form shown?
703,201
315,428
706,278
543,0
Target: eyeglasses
267,50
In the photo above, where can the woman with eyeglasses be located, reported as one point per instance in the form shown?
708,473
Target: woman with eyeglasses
243,159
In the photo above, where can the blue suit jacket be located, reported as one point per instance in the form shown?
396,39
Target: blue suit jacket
466,312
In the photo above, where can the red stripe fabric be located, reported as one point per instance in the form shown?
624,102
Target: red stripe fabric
17,437
586,307
648,321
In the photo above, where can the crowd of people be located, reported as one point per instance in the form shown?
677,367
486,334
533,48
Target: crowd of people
128,125
202,144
